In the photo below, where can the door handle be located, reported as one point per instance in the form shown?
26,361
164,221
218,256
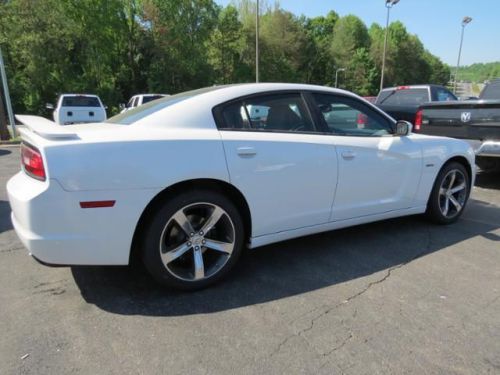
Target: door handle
246,151
348,155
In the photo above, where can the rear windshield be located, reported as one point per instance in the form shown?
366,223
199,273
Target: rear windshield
409,97
80,101
138,113
148,99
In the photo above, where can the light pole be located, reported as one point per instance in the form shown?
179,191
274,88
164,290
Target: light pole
388,4
337,75
465,22
6,93
257,43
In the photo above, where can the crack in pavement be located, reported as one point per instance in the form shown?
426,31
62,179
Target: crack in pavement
11,249
349,299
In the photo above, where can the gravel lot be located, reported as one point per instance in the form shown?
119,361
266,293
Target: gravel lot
399,296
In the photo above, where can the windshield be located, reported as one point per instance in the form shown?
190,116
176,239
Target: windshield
402,97
80,101
150,98
138,113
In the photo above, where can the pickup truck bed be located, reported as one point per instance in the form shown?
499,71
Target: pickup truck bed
477,122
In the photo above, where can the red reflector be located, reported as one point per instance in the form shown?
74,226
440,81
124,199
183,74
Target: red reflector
418,120
97,204
32,161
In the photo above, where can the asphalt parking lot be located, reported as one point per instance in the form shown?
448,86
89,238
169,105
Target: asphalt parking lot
399,296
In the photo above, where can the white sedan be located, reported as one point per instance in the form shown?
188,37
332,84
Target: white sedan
186,182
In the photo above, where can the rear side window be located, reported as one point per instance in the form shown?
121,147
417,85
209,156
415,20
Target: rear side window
80,101
276,112
409,97
443,95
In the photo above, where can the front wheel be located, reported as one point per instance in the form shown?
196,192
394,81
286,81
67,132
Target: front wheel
449,194
193,240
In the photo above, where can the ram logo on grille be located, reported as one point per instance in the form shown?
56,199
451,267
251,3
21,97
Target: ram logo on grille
466,116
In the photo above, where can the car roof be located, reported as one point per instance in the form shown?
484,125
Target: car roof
194,109
412,87
89,95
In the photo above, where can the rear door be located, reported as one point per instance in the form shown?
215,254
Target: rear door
276,157
378,172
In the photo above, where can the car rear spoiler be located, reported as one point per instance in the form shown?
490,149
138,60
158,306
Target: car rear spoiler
44,128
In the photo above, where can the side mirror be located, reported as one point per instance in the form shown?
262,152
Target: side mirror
403,128
49,105
122,106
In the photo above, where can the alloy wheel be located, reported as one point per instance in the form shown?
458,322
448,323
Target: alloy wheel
452,193
197,241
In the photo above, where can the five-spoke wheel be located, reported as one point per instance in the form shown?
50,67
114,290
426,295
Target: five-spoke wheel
449,194
193,240
453,193
197,241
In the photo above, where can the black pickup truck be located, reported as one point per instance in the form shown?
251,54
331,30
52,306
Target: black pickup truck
402,102
476,121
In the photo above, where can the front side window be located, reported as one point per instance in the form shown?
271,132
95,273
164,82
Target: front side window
276,112
346,116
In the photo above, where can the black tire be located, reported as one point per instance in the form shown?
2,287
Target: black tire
163,234
437,200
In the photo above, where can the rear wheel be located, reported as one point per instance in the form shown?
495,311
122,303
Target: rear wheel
193,240
449,194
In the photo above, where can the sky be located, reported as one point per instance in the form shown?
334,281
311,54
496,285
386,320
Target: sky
436,22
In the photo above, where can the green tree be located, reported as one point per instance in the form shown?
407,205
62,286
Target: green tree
321,64
225,47
180,31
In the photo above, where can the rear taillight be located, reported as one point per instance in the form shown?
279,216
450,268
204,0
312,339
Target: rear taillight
361,120
418,120
32,161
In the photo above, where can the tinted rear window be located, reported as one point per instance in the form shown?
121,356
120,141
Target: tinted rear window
409,97
80,101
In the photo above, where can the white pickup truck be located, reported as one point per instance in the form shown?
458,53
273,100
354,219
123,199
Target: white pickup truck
78,109
140,99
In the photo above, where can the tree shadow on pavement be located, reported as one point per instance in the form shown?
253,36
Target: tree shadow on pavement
285,269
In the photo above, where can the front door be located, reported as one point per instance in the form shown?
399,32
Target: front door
378,172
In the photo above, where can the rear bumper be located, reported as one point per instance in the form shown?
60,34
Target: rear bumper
486,148
56,230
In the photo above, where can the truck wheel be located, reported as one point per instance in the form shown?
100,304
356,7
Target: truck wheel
193,240
449,194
